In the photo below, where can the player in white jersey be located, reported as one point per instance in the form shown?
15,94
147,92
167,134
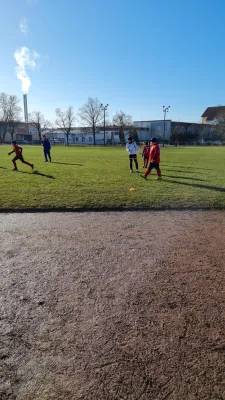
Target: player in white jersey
132,148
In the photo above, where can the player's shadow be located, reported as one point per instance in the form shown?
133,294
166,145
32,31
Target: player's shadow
37,173
197,185
183,166
45,175
184,177
3,167
178,170
65,163
175,162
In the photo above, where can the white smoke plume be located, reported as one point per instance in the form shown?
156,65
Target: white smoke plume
24,26
25,59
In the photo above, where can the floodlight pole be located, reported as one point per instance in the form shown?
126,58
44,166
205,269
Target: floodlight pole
165,110
104,108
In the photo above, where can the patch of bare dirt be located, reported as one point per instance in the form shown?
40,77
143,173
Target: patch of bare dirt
112,306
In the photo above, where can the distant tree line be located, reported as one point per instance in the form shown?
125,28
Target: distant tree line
90,117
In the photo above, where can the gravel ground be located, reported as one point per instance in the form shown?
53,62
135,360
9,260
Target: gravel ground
112,306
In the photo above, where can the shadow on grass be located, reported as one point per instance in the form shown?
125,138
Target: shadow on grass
37,173
178,170
65,163
197,185
181,166
184,177
177,162
3,167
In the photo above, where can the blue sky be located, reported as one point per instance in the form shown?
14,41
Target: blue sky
135,55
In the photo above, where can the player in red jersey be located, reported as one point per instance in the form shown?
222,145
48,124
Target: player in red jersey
18,151
154,159
145,154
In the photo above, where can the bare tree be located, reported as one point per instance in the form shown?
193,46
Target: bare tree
37,120
124,122
4,113
176,135
65,121
91,114
9,113
218,131
133,132
51,132
14,115
12,124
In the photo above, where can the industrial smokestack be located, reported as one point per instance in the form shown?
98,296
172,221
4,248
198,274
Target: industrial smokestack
25,108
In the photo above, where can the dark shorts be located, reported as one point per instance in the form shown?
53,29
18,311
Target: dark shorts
19,158
132,156
153,165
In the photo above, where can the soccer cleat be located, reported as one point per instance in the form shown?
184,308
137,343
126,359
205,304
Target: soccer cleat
159,178
137,171
131,171
46,160
32,166
15,169
143,166
143,176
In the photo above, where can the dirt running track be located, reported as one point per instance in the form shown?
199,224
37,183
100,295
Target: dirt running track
112,306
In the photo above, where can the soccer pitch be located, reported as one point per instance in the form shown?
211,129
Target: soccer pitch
98,178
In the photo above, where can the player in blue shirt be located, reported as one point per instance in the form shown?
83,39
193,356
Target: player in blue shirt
46,147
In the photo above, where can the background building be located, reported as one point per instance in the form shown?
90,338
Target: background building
172,132
23,132
84,136
148,129
212,114
183,132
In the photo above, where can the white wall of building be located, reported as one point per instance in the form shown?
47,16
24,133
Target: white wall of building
78,137
26,133
148,129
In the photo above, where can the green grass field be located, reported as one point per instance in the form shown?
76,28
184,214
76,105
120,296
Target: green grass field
100,178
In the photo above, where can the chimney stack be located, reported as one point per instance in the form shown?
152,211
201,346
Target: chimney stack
25,108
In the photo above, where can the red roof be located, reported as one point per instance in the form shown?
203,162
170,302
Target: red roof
212,113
